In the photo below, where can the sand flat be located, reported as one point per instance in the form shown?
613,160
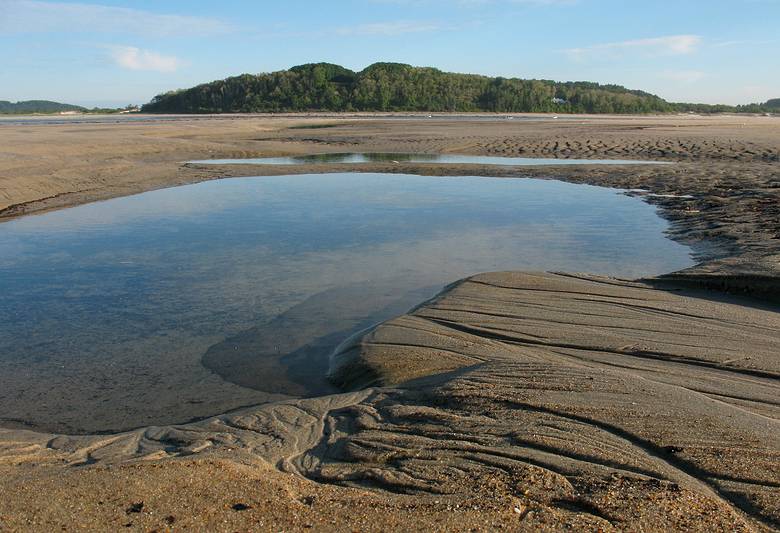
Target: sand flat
526,401
724,187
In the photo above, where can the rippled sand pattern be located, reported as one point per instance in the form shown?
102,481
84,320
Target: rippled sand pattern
577,399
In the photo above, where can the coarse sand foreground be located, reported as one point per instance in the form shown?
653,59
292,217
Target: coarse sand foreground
521,401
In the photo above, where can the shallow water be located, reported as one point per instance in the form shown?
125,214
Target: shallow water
190,301
389,157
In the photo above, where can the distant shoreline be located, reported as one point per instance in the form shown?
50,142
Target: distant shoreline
382,114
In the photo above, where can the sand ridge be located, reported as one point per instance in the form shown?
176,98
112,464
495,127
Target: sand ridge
594,401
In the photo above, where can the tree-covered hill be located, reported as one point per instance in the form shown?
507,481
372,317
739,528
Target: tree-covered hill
770,106
399,87
773,104
36,106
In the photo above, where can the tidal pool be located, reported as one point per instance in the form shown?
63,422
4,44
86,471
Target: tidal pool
368,157
191,301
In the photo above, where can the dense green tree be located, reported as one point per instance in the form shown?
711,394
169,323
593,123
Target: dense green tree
36,106
400,87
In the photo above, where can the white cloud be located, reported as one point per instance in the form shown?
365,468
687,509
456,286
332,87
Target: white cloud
724,44
656,46
33,16
133,58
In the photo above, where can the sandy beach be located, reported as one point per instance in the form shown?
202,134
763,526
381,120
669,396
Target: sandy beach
520,401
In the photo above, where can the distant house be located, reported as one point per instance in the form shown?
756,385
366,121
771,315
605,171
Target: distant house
558,101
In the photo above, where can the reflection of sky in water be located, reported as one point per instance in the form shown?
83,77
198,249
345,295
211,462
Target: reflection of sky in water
390,157
210,260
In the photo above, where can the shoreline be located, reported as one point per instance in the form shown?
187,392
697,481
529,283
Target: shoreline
531,400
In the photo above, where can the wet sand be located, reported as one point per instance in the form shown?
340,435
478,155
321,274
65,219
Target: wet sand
575,399
728,164
517,401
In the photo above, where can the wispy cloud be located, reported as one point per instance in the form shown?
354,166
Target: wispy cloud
388,29
133,58
744,42
32,16
656,46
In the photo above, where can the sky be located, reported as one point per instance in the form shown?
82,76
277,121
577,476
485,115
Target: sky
114,52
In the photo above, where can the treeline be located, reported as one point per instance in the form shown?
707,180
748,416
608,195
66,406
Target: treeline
770,106
36,106
399,87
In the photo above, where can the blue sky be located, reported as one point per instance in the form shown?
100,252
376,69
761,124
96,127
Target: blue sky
118,52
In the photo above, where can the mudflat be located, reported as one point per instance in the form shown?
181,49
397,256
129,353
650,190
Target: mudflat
512,400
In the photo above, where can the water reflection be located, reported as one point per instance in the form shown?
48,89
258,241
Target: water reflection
369,157
131,312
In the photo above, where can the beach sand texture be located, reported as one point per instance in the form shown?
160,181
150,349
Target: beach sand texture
577,399
520,401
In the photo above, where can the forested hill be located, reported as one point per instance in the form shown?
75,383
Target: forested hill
398,87
36,106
